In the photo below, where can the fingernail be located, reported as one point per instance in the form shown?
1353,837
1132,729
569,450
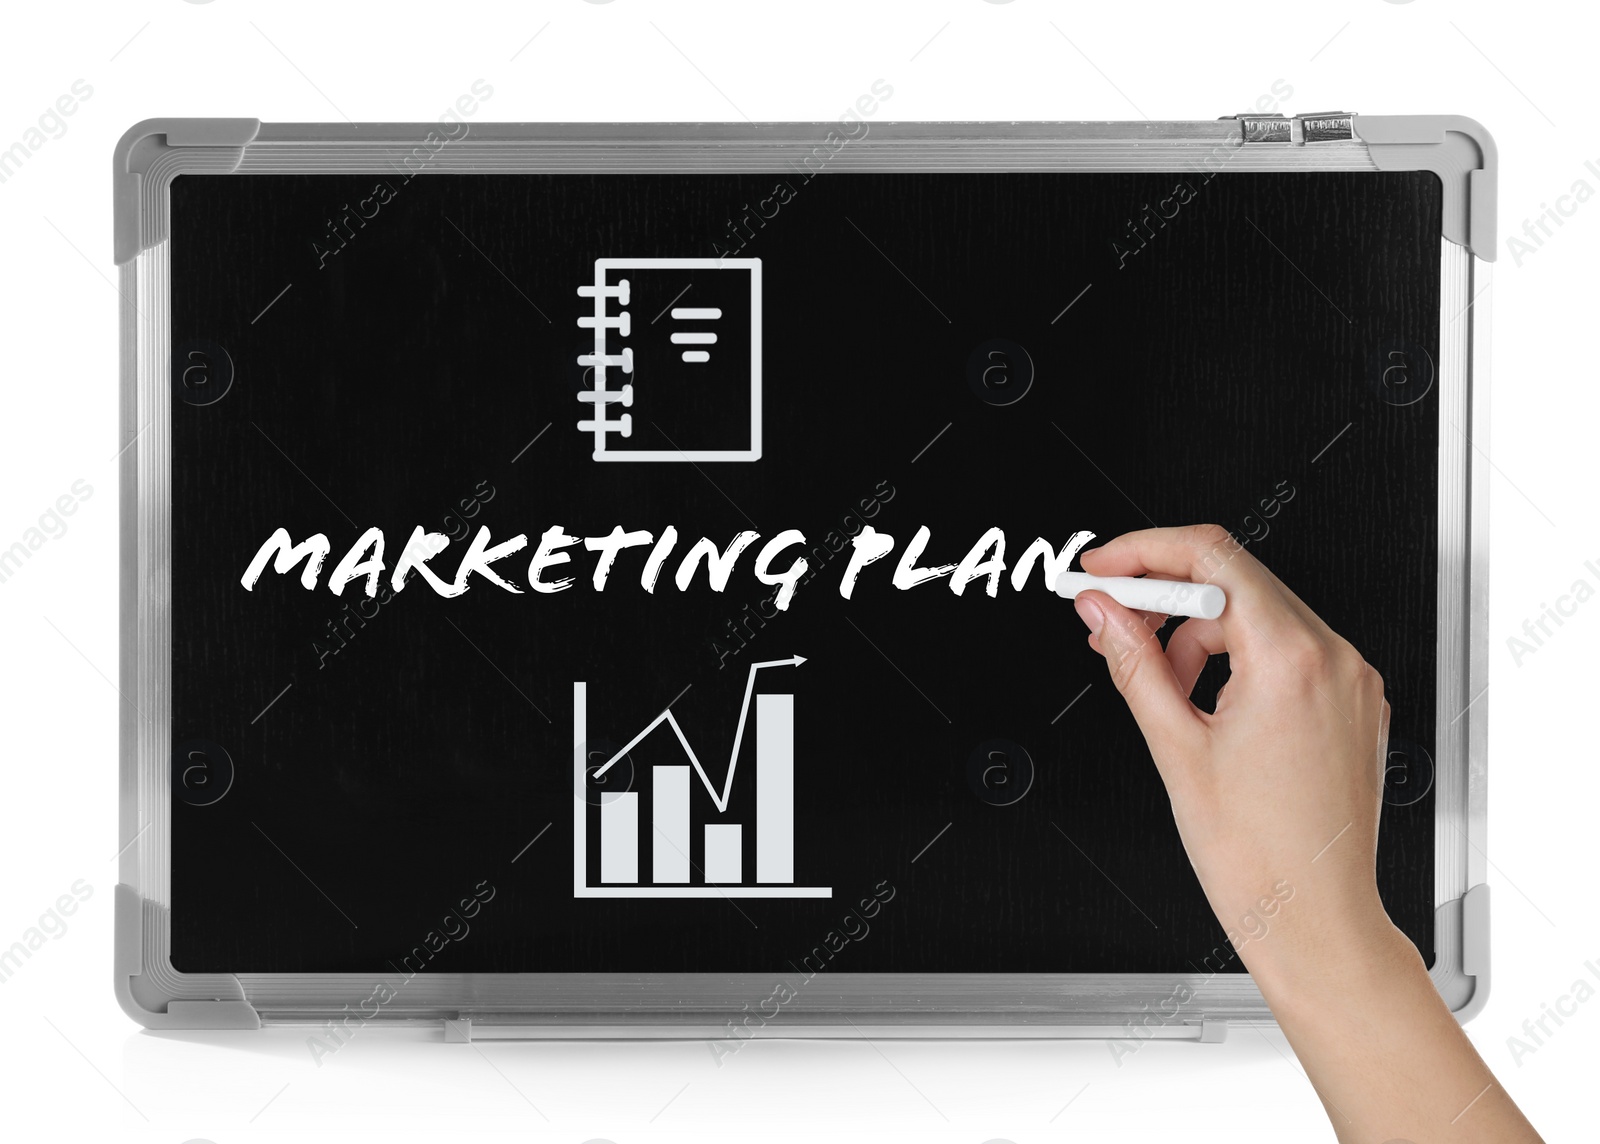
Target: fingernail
1089,612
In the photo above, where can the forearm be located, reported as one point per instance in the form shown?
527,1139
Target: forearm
1383,1051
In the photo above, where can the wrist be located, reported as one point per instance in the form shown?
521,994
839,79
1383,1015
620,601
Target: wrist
1363,955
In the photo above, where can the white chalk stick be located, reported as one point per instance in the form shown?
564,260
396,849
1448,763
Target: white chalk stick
1170,597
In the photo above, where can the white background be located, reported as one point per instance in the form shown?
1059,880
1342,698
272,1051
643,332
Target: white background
72,1066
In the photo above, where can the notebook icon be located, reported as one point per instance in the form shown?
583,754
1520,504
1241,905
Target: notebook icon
675,374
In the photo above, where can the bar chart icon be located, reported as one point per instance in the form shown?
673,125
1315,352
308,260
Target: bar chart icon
666,806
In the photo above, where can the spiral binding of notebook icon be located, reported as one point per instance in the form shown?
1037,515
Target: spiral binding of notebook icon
602,397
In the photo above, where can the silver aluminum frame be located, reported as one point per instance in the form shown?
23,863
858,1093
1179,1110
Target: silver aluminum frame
719,1006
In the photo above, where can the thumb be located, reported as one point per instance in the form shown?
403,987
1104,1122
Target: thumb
1139,669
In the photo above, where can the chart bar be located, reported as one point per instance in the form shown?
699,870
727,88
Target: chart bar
580,778
724,847
669,841
775,788
619,837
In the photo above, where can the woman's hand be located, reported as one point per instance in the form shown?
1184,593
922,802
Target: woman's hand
1276,796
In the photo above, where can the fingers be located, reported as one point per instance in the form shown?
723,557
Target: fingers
1194,642
1142,673
1260,610
1383,745
1153,620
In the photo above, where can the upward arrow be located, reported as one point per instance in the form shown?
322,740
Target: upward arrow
721,800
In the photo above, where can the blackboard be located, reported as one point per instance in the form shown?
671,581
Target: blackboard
1042,353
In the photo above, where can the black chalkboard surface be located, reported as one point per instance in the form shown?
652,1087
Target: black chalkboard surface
1042,353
